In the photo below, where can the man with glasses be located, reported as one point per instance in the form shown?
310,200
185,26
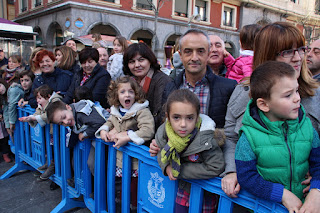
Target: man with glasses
313,59
3,59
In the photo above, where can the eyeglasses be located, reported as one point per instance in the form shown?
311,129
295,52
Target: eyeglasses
290,53
1,50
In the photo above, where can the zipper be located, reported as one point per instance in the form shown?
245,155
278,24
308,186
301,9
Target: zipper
285,132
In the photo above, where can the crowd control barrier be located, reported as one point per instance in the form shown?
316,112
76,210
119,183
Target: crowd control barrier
156,193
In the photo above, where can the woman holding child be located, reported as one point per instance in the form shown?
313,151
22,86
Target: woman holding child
281,42
139,61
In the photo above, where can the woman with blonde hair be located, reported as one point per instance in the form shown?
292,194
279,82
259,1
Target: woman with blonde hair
66,59
279,41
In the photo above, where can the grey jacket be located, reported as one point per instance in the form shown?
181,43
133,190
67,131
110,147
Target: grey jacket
236,108
208,163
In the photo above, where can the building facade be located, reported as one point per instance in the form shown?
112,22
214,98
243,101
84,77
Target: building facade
158,26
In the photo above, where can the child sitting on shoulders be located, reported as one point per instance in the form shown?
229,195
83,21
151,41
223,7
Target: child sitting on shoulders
44,95
278,145
130,120
187,147
242,66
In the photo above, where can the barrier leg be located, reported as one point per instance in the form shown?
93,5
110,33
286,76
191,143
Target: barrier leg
16,168
196,199
225,205
100,178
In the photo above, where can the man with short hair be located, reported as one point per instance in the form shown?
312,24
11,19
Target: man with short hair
3,59
72,44
213,91
215,60
103,57
313,59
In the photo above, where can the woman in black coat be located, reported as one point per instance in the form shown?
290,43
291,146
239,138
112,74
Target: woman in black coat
91,75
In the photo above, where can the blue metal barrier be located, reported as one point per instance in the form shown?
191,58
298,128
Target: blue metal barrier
156,193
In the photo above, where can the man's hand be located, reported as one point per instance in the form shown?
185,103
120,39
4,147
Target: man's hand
154,148
291,201
312,202
230,185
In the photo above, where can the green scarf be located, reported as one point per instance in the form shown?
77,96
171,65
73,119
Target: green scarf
176,145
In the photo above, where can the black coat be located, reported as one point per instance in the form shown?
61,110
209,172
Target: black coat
220,92
59,80
98,83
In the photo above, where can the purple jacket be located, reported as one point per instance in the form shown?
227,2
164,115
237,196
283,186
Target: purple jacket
238,68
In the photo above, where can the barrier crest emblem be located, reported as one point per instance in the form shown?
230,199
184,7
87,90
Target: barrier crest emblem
156,190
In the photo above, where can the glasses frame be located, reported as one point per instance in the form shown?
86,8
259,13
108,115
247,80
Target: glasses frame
283,53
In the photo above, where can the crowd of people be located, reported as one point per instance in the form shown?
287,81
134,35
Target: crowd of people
254,121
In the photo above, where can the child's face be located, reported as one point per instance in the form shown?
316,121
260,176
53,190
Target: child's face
183,118
126,95
117,48
64,117
284,100
26,82
2,89
41,100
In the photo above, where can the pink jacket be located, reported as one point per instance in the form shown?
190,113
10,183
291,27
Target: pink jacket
238,68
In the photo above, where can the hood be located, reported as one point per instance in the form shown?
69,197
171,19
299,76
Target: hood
83,106
132,111
207,123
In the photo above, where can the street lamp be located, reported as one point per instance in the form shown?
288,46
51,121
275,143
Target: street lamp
195,17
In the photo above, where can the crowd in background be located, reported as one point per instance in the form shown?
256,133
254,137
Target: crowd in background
191,120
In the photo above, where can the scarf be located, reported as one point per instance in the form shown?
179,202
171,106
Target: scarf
176,145
145,82
84,78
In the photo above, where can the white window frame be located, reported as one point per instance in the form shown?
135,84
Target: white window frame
135,8
20,6
207,11
180,17
105,3
234,18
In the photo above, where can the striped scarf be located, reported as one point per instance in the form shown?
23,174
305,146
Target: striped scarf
145,82
176,144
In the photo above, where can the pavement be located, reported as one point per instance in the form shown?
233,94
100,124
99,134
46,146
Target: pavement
22,192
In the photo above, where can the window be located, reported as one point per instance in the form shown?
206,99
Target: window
11,2
143,4
229,14
37,3
201,9
112,1
23,5
317,7
181,8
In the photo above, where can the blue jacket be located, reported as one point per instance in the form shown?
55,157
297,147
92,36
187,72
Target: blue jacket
98,83
58,80
220,92
15,93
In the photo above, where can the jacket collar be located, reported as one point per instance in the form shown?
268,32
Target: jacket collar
131,112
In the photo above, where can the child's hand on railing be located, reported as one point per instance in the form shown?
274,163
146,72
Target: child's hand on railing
169,172
27,119
81,136
154,148
291,201
111,134
104,135
121,139
312,202
22,102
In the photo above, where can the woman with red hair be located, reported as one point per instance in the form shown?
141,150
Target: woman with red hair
59,80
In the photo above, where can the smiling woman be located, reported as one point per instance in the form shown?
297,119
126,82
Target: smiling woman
91,75
139,61
56,78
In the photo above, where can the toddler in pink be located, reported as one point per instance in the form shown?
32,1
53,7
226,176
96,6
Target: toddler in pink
242,66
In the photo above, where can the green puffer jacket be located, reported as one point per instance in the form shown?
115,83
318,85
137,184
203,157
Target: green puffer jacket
282,148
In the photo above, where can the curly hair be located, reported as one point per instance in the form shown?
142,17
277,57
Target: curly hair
112,93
